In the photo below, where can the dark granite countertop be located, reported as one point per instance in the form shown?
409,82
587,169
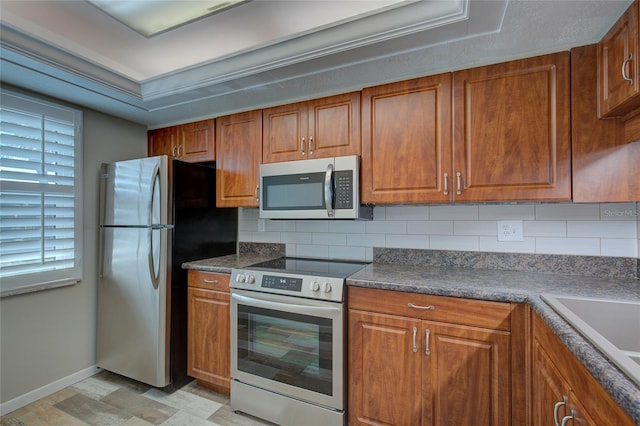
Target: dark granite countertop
496,285
225,264
521,287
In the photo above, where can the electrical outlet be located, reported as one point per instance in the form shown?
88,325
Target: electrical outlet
262,225
510,230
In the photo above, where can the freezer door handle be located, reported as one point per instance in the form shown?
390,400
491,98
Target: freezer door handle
154,217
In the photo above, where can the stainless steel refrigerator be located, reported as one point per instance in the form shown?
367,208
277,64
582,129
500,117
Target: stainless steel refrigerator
155,215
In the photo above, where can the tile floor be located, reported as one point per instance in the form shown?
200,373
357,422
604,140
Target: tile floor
107,399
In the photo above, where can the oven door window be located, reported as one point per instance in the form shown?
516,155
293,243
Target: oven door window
286,347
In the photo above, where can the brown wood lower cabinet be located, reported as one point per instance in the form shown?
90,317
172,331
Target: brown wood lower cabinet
209,345
564,390
444,361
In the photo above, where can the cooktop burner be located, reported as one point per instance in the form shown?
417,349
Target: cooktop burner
310,266
321,279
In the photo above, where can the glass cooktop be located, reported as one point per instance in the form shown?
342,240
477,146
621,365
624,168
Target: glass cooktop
310,266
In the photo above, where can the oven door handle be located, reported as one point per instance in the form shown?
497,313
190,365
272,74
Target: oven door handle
287,307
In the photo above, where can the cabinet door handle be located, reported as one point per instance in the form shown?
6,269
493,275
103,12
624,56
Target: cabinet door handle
571,416
173,151
556,409
625,77
210,281
427,336
459,188
428,308
310,145
446,184
257,193
302,147
415,333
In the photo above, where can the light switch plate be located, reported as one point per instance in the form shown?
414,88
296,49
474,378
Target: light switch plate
510,230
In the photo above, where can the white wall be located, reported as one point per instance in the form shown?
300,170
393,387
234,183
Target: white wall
610,229
49,336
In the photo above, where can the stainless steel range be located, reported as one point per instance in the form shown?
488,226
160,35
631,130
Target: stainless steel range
287,348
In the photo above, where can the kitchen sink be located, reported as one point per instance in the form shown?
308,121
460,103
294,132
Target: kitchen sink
611,325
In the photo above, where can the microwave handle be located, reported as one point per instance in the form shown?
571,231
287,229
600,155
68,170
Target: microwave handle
328,190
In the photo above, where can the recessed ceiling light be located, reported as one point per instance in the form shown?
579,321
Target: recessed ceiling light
152,17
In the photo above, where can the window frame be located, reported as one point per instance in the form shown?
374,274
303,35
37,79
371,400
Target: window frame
40,280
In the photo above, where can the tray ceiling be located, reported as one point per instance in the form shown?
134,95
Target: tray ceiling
265,52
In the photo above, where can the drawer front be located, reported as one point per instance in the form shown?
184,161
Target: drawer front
453,310
209,280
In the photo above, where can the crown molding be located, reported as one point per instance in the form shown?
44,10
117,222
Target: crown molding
413,18
28,50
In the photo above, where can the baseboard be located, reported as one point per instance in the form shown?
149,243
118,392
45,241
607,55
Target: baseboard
46,390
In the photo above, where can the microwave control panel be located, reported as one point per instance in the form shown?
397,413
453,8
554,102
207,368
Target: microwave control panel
344,189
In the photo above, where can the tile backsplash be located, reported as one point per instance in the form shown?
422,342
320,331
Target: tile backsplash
607,229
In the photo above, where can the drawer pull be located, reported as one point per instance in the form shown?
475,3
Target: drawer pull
210,281
427,308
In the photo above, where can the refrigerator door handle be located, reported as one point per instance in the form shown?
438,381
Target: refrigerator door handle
154,258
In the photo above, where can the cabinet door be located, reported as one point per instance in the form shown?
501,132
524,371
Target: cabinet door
550,391
239,154
618,53
384,370
285,133
334,126
162,141
578,413
209,344
197,141
466,376
406,141
564,375
512,135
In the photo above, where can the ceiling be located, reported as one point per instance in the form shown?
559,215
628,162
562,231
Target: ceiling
270,52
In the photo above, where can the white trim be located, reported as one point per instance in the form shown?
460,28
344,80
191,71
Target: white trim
46,390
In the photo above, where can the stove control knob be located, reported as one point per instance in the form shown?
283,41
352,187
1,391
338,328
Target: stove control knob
241,278
251,279
326,287
315,286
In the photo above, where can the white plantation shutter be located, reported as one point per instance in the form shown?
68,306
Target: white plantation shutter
40,176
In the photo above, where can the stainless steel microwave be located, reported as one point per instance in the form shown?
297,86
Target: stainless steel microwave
323,188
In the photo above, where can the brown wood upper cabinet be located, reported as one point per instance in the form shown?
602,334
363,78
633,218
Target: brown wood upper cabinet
406,141
618,66
239,154
510,139
512,136
605,165
192,142
326,127
162,141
